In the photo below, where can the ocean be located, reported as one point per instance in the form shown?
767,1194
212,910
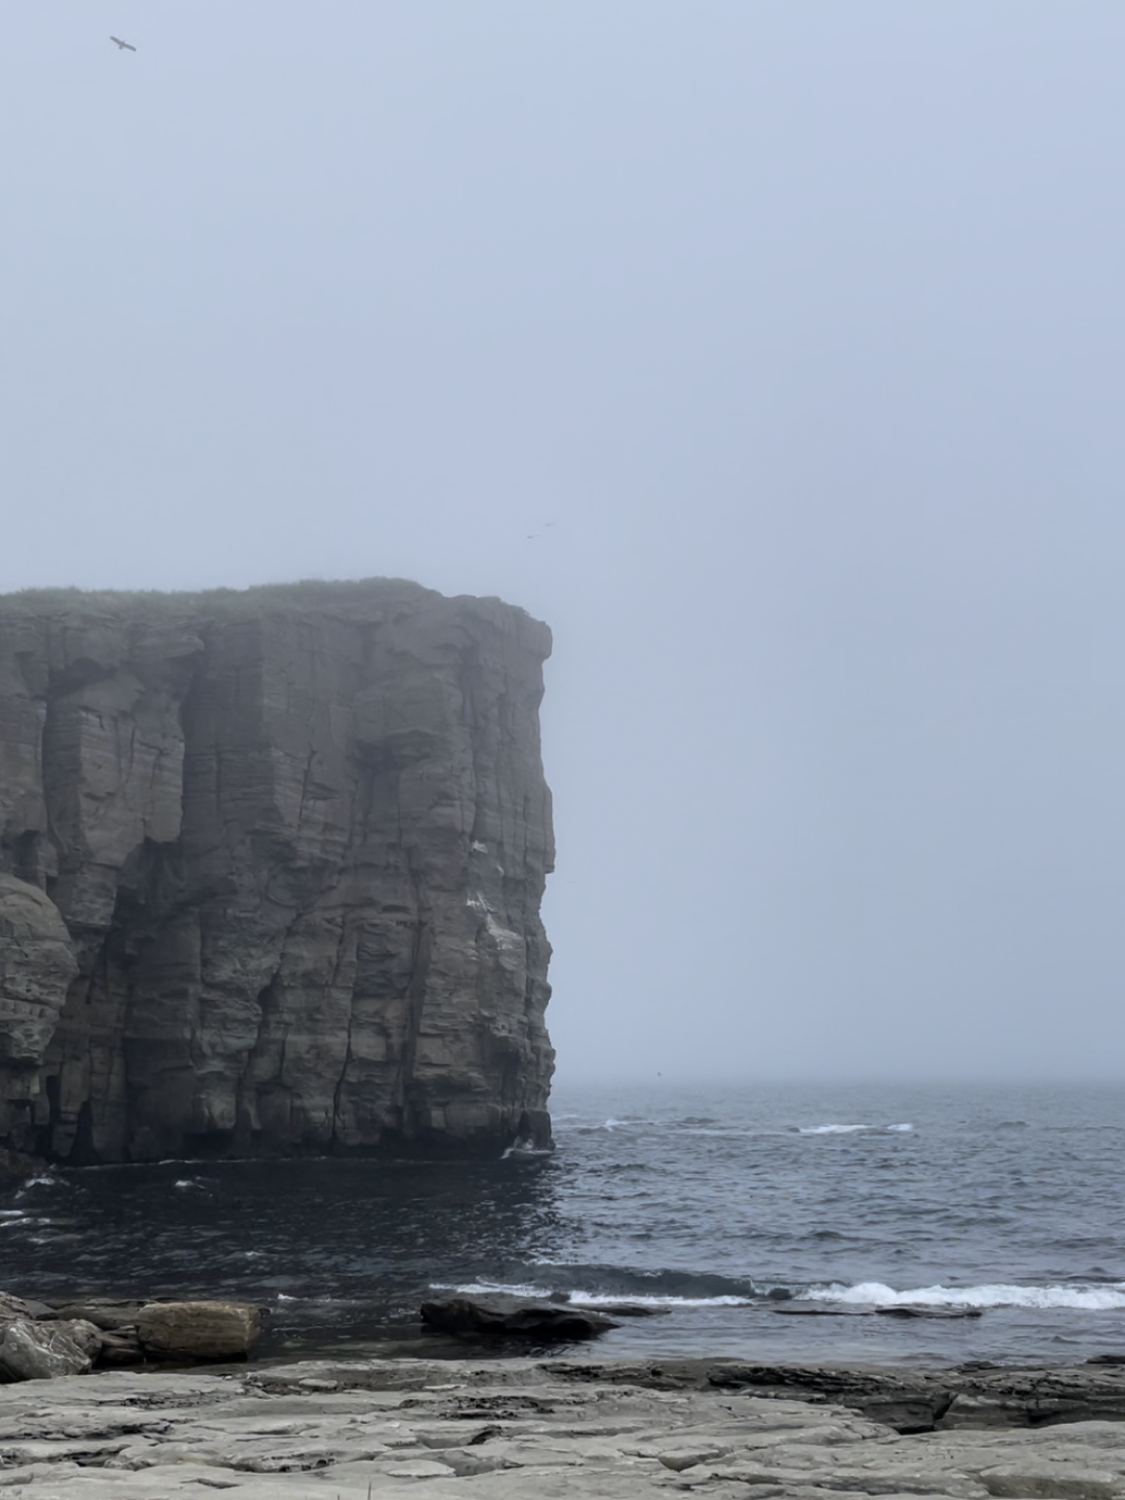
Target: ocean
758,1221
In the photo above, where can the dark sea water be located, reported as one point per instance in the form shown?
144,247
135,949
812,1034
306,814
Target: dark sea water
765,1222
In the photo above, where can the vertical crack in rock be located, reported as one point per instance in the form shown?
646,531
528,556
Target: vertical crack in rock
405,1098
270,872
338,1092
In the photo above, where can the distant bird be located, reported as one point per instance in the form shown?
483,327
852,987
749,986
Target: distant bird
123,46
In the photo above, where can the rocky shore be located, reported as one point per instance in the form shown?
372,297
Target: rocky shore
562,1428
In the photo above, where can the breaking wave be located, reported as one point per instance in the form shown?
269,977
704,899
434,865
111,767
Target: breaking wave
598,1286
1090,1298
579,1298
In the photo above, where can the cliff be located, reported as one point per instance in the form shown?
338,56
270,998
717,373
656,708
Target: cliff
270,872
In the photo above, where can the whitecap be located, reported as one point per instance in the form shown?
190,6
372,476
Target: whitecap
519,1150
830,1129
1104,1298
899,1129
587,1299
599,1299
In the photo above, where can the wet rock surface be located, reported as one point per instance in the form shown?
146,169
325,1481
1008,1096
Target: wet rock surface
270,873
501,1316
515,1428
42,1342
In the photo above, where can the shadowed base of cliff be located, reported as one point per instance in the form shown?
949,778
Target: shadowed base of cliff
531,1138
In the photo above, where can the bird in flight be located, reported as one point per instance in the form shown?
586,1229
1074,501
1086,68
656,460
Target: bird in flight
123,46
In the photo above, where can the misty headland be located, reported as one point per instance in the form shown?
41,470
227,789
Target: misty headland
272,871
771,355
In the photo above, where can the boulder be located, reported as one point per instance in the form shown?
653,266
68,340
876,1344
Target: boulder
198,1330
86,1335
103,1313
503,1316
121,1346
13,1309
42,1351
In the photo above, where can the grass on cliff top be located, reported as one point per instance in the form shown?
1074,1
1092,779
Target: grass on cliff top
225,602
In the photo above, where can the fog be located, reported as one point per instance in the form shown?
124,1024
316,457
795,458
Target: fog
771,352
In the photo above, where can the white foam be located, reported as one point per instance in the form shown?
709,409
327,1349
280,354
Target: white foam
894,1128
831,1129
491,1288
1103,1298
589,1299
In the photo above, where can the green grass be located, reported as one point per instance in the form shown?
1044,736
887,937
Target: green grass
228,603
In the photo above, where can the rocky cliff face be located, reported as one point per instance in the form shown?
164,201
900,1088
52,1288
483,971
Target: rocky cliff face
270,872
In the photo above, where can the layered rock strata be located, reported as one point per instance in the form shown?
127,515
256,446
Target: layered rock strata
270,873
507,1430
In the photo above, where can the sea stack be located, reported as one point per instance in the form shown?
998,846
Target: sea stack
270,872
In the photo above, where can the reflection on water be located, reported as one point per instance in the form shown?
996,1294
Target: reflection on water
334,1248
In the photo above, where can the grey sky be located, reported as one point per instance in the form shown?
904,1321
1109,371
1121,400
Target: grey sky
802,323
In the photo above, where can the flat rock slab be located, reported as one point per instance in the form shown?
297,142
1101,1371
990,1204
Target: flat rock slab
502,1316
512,1430
865,1310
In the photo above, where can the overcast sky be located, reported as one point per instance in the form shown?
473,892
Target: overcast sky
803,325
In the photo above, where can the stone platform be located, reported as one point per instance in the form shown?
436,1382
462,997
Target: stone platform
521,1430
